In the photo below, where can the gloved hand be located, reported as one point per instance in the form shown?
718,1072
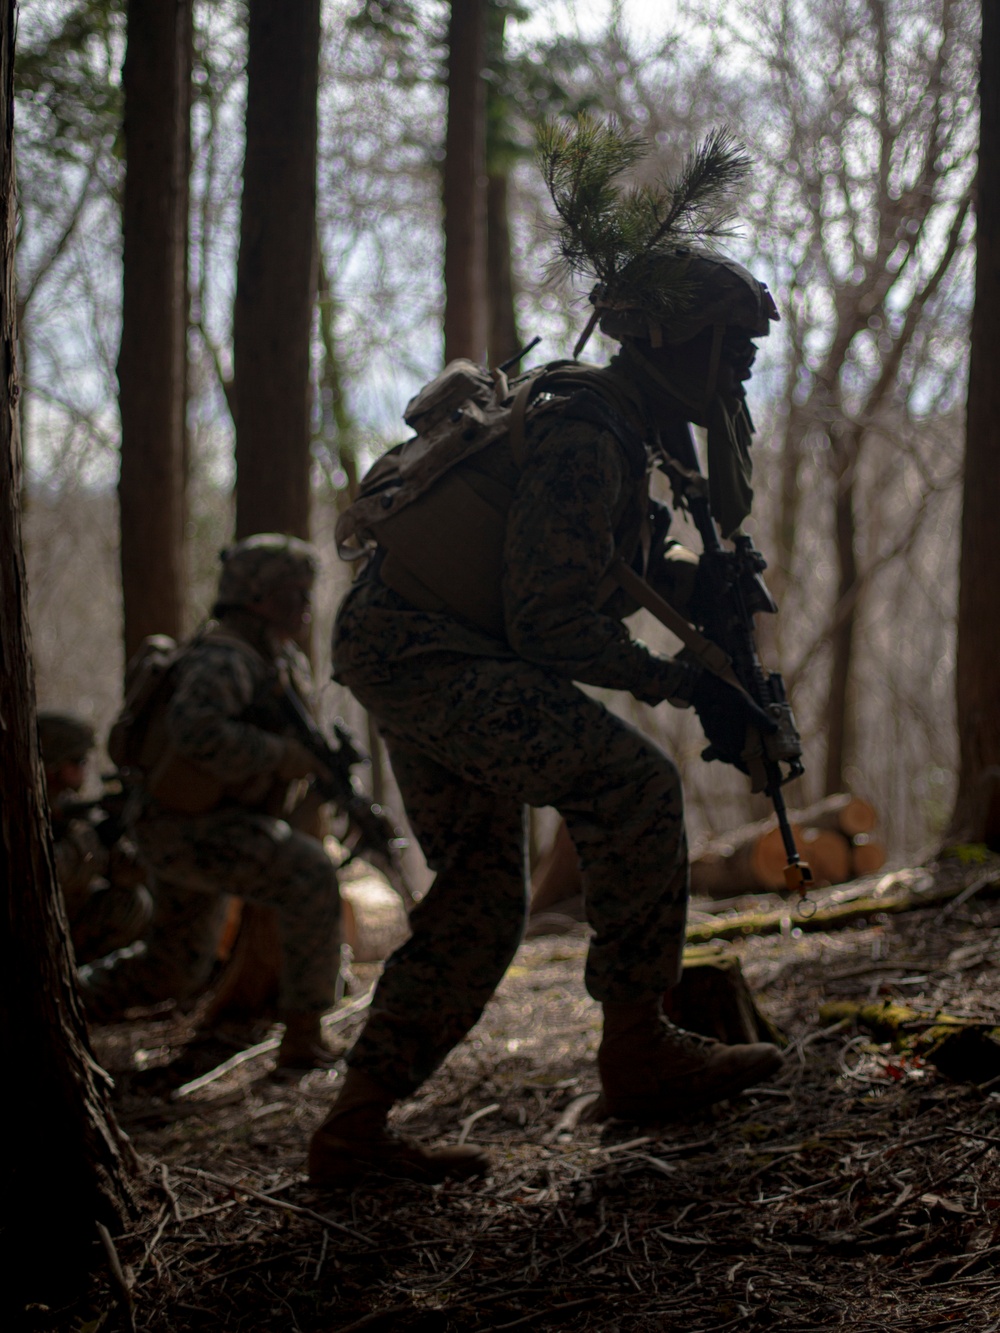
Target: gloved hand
724,714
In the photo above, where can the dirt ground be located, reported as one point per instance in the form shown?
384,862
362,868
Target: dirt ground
859,1190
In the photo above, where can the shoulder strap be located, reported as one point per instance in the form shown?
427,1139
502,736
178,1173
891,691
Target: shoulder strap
518,419
703,650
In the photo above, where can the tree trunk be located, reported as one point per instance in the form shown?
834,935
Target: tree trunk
276,272
66,1162
503,337
465,314
501,153
840,703
152,361
976,817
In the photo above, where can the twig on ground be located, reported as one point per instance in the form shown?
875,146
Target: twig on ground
118,1282
169,1192
277,1203
974,1134
545,1310
263,1047
570,1118
470,1120
369,1320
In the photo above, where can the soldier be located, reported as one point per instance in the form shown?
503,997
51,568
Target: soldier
212,815
106,901
480,723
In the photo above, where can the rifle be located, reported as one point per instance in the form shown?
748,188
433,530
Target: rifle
377,839
735,592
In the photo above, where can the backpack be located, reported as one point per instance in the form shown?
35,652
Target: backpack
148,686
138,742
441,524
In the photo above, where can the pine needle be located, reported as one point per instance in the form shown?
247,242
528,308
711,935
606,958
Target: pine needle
634,239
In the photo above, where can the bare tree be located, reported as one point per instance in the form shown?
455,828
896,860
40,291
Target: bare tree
64,1143
860,118
977,682
152,362
465,311
276,272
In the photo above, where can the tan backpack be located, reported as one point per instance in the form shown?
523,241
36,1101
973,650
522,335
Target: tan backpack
441,525
138,743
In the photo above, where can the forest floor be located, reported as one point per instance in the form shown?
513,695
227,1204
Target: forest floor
859,1190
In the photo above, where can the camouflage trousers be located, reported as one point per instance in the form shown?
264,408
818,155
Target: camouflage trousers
194,865
472,742
107,917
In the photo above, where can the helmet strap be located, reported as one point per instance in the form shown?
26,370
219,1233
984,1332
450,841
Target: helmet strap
718,330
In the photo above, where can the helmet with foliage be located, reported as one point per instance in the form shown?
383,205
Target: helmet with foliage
257,565
650,246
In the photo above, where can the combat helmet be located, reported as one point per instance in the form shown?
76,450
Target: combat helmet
253,567
64,738
652,248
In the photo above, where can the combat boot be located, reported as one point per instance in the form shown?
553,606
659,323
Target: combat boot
652,1070
354,1142
302,1045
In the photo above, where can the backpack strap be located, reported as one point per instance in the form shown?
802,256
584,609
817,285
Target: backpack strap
518,419
703,650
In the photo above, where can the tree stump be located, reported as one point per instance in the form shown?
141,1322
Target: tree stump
713,999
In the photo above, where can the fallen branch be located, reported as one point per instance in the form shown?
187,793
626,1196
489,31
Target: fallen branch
276,1203
263,1047
830,914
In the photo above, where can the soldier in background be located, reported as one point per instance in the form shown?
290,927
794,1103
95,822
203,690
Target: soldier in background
212,814
107,903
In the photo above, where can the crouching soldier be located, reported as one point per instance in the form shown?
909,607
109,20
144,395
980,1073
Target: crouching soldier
212,812
107,903
492,587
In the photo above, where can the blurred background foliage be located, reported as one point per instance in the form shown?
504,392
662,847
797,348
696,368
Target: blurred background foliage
861,119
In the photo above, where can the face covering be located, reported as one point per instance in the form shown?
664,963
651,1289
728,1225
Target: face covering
729,431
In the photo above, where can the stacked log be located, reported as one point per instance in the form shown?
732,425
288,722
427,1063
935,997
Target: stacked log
835,837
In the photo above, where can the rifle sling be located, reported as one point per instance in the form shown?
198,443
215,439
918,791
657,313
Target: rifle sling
703,650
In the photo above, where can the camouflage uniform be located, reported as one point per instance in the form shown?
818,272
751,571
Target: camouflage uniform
99,876
477,728
219,718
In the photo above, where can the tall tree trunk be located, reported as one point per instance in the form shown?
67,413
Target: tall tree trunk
502,336
152,362
840,702
465,312
503,339
977,680
65,1164
276,272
